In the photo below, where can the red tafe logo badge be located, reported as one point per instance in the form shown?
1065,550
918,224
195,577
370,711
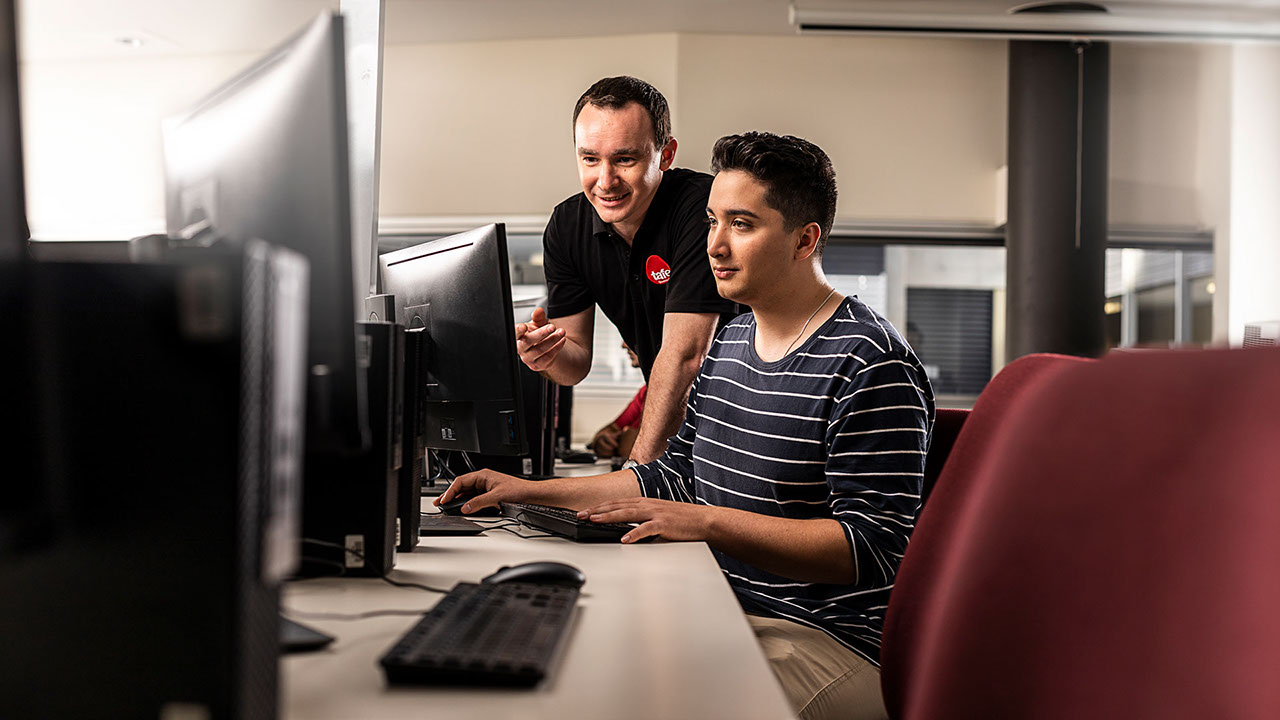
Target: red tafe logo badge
657,269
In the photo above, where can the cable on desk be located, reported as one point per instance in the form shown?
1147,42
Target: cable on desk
354,616
360,555
509,528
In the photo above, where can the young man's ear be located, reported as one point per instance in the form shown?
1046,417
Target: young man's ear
668,155
807,240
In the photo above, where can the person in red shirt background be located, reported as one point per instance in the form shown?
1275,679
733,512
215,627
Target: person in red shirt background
616,438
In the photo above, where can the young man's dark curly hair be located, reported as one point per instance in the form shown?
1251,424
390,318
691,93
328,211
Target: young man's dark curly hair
799,179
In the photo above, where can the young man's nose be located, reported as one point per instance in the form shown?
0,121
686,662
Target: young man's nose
716,245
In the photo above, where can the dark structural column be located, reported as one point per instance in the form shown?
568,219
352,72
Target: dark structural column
1057,225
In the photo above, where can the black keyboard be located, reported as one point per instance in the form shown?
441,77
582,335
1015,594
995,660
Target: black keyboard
566,522
504,634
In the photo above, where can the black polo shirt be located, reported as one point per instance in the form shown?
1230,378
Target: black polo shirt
665,269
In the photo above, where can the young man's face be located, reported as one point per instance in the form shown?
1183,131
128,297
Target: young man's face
617,162
749,246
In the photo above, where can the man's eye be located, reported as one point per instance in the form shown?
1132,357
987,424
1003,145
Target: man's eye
710,221
626,161
587,160
741,224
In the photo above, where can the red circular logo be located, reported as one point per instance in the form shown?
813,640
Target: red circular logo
657,269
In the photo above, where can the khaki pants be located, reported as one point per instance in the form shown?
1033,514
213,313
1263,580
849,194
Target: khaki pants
822,678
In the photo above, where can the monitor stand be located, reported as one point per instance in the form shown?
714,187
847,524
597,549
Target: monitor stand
296,637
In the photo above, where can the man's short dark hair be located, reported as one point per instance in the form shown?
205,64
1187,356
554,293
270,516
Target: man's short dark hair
798,177
613,93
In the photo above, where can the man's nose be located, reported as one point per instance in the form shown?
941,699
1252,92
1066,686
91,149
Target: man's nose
607,177
716,245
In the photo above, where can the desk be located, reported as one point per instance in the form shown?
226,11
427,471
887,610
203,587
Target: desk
658,634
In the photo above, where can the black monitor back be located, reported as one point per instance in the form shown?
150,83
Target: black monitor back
265,156
13,209
458,290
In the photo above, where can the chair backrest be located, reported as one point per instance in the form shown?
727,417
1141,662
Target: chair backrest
946,427
910,602
1120,555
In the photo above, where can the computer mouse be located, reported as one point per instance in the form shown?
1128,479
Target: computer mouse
454,507
538,573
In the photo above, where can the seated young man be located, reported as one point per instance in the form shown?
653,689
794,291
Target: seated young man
802,452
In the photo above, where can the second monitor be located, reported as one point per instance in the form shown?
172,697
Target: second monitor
457,290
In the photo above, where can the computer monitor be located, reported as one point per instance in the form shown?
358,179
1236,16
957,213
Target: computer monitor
13,209
458,290
21,500
264,156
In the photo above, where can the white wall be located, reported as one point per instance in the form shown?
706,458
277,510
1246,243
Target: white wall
1155,139
1254,246
914,127
91,140
485,127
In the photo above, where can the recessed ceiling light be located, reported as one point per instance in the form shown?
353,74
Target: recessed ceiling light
1053,6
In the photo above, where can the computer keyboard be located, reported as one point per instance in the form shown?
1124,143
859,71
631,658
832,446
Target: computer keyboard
566,522
504,634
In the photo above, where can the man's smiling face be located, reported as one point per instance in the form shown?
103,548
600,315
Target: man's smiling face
618,165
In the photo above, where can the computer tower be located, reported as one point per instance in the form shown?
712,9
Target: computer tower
349,499
564,420
539,405
413,442
168,400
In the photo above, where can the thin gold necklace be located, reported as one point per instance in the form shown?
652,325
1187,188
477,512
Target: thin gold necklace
806,322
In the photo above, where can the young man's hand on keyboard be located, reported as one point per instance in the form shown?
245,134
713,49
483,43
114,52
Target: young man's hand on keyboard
677,521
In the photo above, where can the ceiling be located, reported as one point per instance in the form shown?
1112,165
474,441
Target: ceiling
54,30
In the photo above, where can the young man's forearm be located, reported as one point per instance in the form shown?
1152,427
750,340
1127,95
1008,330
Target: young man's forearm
804,550
577,493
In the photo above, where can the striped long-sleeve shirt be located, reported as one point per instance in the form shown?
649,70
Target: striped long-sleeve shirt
836,429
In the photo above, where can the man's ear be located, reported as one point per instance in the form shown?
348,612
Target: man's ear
806,239
668,155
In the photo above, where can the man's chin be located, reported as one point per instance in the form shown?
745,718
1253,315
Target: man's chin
613,214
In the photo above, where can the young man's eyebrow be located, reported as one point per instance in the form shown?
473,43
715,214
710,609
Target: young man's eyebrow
736,212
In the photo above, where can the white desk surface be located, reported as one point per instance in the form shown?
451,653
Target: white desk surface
658,634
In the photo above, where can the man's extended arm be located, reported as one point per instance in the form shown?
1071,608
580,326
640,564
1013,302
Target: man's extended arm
561,351
686,338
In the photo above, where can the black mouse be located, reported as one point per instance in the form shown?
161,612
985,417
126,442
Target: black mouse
454,507
538,573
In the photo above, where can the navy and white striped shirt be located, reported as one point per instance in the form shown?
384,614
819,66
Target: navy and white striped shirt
836,429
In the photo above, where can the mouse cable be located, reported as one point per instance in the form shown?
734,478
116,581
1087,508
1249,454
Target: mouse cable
303,615
511,528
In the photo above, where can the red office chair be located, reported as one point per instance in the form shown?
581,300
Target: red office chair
911,600
1119,556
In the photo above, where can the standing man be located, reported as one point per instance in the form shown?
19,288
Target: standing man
634,243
